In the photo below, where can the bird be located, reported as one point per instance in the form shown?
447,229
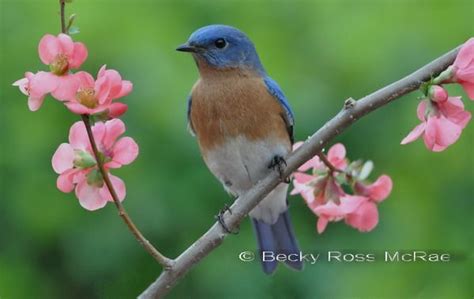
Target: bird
243,124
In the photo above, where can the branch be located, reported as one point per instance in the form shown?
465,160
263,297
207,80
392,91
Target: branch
352,111
328,164
62,6
160,258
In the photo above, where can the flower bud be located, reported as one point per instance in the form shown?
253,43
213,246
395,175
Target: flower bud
437,93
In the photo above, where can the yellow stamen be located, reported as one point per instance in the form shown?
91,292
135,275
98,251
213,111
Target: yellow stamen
59,66
87,97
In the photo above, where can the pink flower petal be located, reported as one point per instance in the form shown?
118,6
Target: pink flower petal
125,151
302,178
349,203
453,110
469,89
48,48
300,187
465,56
380,189
85,79
465,75
65,181
89,196
117,109
34,103
66,44
420,110
365,218
42,83
336,155
322,224
22,85
414,134
102,90
99,130
78,138
115,81
126,88
63,158
78,56
440,133
114,128
67,87
119,187
330,210
77,108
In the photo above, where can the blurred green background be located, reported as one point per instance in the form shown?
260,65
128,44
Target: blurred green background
321,52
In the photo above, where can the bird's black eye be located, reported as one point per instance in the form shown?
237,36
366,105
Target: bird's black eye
220,43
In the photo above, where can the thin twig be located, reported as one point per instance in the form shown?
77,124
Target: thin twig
328,164
160,258
244,204
62,5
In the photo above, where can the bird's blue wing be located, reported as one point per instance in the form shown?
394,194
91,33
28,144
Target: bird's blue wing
190,124
276,91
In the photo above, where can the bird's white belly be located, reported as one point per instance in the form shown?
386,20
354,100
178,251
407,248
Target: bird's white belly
240,163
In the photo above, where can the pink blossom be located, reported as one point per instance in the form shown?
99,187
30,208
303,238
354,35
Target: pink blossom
337,156
463,67
36,87
442,123
365,217
77,167
62,55
378,190
301,182
325,197
332,211
96,96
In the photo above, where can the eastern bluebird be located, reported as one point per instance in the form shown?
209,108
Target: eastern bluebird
244,127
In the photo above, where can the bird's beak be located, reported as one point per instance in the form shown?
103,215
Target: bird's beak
186,48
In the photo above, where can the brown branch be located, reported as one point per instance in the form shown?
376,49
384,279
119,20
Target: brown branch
160,258
62,6
352,111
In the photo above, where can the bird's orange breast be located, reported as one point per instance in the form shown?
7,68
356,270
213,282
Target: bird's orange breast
233,104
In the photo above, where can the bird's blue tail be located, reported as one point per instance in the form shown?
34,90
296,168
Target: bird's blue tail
274,239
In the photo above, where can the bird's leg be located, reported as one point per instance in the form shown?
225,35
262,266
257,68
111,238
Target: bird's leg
278,163
220,218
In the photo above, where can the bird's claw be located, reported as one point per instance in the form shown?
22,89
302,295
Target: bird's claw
278,163
220,218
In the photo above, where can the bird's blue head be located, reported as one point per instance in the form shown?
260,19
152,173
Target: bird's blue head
222,47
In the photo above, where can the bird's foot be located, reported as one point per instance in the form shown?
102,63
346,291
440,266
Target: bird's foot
220,218
278,163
